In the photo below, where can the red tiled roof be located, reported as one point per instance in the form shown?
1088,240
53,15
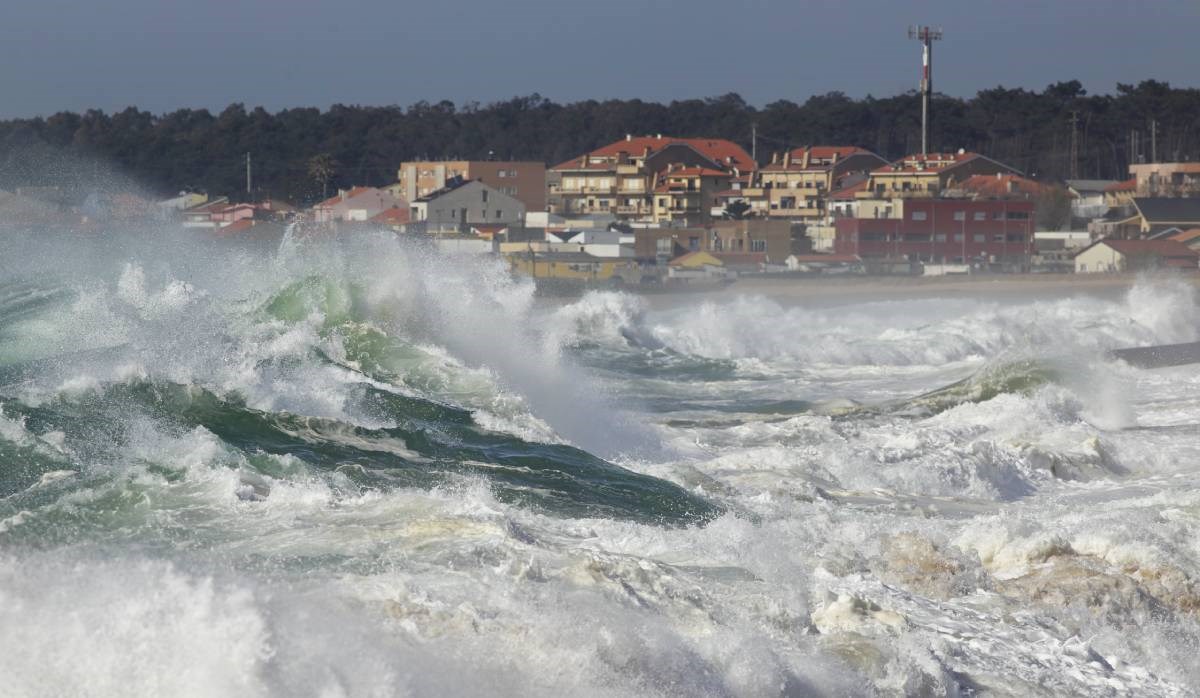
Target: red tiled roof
391,215
847,193
1127,185
818,156
723,152
1001,186
333,200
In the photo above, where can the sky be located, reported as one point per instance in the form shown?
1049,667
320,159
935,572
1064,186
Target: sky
161,55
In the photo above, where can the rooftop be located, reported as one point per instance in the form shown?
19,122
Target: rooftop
1162,210
721,152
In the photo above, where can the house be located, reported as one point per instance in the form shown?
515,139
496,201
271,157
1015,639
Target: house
394,218
1088,197
356,204
522,180
944,231
929,175
571,266
622,177
773,239
183,201
455,209
1115,255
1166,178
201,215
796,185
1157,213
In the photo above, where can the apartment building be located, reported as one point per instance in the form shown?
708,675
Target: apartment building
944,231
796,184
929,175
522,180
688,194
622,177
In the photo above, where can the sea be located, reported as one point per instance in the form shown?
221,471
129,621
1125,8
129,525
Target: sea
353,466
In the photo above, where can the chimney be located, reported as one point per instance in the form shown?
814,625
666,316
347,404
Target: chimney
774,158
807,157
787,158
659,136
628,136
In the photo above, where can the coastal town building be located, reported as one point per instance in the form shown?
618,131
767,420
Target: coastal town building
958,231
797,184
523,180
1155,214
688,194
1088,197
454,209
1166,179
774,240
929,175
1116,255
356,204
623,177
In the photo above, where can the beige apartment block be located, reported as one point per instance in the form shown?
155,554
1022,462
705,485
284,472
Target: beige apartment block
522,180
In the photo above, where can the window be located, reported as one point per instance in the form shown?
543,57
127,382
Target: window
693,243
758,245
662,246
1018,216
916,237
979,237
980,216
874,237
998,216
485,193
939,237
499,214
662,203
958,237
502,174
997,237
960,215
918,215
1016,237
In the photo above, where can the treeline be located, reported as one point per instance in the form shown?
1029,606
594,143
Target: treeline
195,149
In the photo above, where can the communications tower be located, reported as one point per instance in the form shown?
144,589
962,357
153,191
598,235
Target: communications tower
926,35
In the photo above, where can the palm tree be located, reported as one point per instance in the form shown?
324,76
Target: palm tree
321,168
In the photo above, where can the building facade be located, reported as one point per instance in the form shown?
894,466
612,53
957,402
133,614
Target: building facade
522,180
955,231
456,209
622,177
797,185
923,176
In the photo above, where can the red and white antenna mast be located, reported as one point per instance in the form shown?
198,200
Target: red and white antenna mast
926,35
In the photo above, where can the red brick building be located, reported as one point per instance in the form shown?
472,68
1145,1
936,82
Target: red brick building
945,231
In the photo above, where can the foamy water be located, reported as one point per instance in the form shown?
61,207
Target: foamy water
354,468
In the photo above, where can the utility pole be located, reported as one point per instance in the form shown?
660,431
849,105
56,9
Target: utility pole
754,143
926,35
1074,144
1153,140
247,173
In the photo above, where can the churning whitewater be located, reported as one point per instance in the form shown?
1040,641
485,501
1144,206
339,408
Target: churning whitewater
352,467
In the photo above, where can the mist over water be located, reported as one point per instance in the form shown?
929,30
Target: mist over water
350,466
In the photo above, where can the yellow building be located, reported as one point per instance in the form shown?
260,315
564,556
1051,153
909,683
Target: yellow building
796,185
572,266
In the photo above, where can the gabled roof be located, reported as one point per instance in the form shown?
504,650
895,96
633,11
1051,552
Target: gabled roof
391,215
722,152
1161,248
820,158
847,193
1000,186
1127,185
932,163
697,172
695,259
1161,210
339,197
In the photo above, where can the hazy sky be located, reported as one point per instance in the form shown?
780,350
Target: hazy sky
164,54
